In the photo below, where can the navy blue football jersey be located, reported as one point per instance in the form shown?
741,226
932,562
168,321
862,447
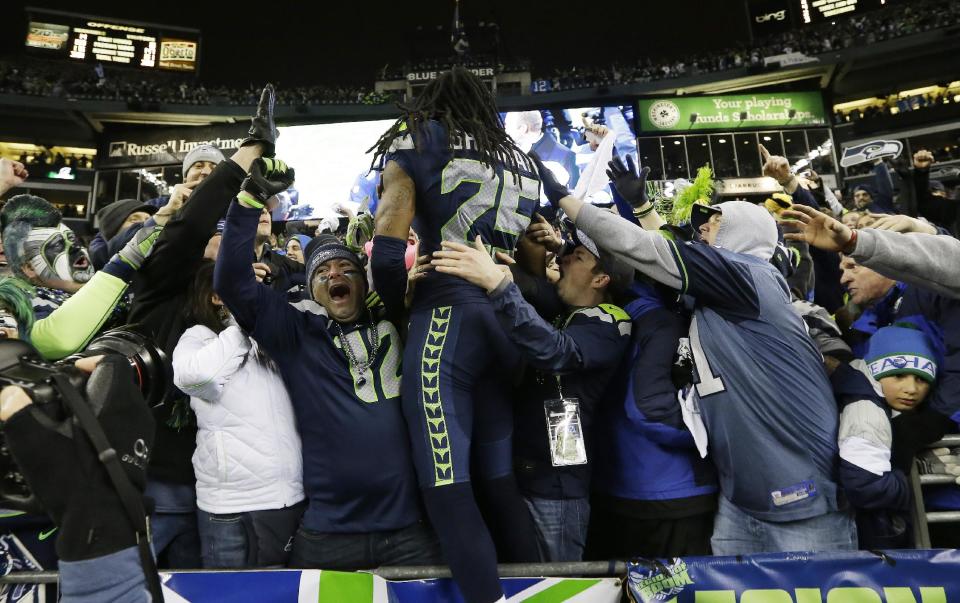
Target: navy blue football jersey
458,198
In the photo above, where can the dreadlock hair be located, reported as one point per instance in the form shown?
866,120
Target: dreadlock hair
15,297
462,104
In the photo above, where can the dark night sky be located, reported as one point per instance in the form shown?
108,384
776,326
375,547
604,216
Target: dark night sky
349,41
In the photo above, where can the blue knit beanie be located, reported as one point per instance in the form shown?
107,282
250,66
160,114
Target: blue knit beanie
898,351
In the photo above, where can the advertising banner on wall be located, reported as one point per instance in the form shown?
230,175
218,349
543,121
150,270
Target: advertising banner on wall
164,146
319,586
730,112
921,576
918,576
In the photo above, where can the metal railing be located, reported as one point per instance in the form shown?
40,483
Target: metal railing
586,569
921,517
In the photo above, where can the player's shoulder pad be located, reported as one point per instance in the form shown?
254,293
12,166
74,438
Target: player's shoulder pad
609,313
430,134
404,141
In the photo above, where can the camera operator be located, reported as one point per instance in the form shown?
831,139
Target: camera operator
97,507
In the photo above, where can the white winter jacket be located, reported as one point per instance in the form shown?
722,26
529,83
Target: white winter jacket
248,449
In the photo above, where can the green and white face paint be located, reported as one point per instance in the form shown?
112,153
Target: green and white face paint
54,253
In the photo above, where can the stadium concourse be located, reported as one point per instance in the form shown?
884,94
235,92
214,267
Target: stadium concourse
462,315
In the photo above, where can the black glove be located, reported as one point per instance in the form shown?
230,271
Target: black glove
262,129
551,187
629,184
914,431
63,470
267,177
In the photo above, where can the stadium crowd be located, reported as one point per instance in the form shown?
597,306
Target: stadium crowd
521,381
894,22
898,105
34,77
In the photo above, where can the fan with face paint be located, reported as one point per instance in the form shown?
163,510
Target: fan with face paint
55,255
40,248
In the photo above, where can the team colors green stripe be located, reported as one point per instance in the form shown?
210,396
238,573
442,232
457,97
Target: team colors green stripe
430,395
683,269
561,591
341,587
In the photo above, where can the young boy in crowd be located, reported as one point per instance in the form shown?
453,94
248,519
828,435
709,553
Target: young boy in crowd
896,375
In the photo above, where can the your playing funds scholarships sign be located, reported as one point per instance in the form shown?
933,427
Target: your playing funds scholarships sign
774,110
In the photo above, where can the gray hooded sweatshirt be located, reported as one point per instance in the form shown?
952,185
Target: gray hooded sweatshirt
924,260
759,381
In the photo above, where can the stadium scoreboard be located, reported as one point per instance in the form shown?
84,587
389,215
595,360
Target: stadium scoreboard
93,39
774,17
814,11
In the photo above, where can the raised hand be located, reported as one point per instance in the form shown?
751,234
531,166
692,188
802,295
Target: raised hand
775,166
542,233
551,186
631,185
262,128
902,223
138,249
803,223
12,174
922,160
267,177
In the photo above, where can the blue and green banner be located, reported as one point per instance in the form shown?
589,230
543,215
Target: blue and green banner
921,576
316,586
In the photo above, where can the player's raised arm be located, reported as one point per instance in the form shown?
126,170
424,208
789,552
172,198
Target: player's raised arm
648,252
394,217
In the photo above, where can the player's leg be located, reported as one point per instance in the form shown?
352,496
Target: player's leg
438,406
502,503
499,495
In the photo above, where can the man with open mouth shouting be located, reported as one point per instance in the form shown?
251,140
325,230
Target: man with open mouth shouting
340,362
47,259
43,250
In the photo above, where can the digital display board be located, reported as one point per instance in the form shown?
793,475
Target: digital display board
815,11
92,39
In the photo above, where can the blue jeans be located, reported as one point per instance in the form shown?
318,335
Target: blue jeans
737,533
173,524
115,577
223,540
413,545
250,539
561,526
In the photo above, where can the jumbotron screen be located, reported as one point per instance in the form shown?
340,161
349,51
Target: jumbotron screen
92,39
333,167
815,11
